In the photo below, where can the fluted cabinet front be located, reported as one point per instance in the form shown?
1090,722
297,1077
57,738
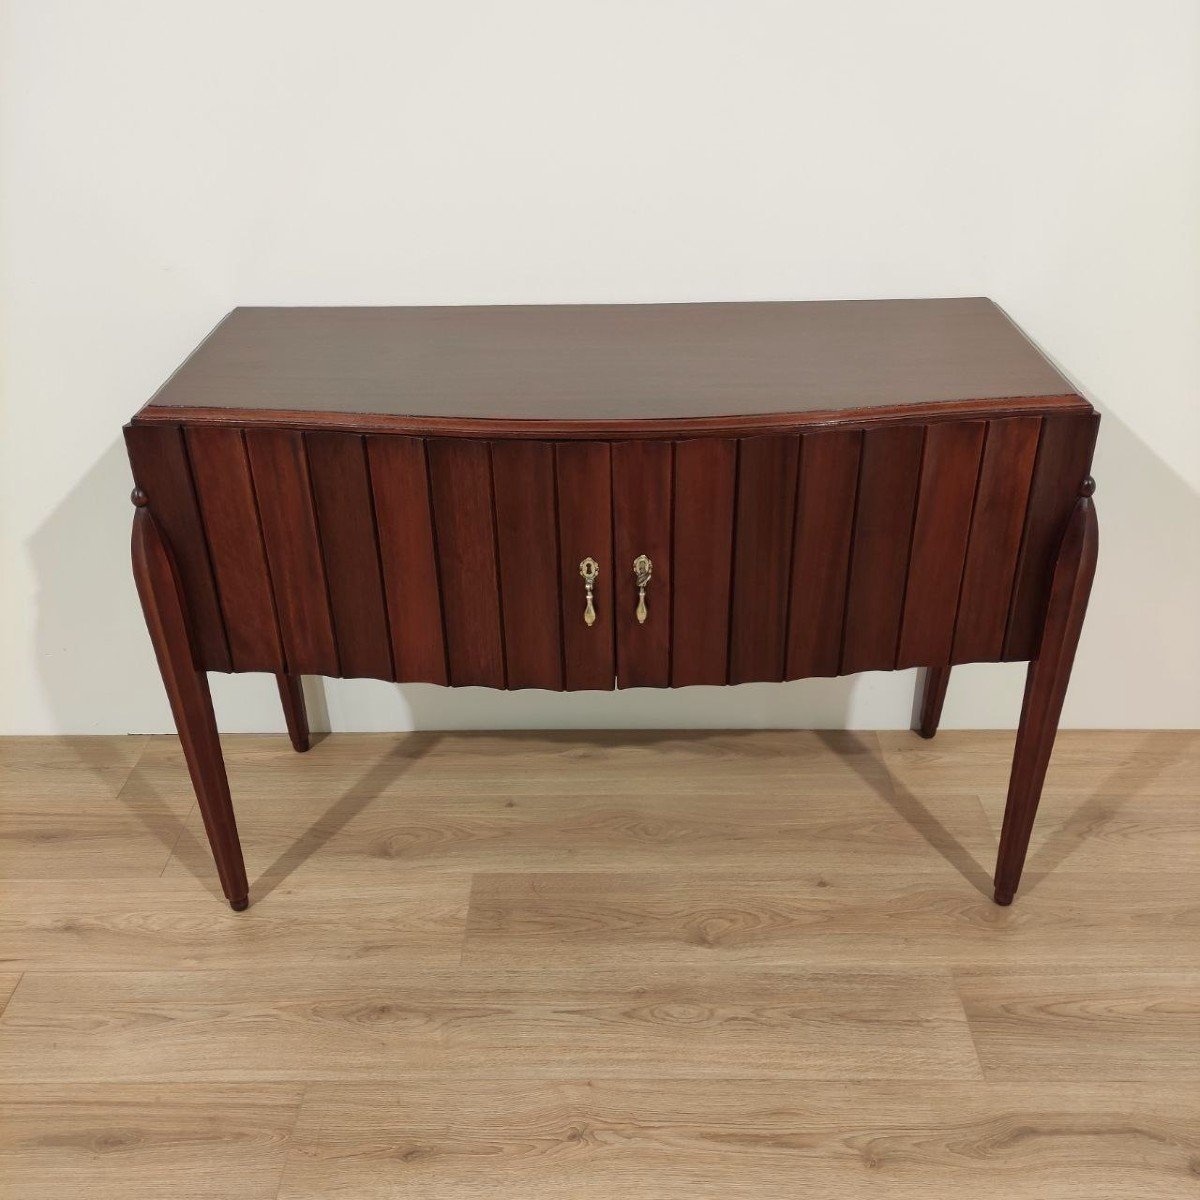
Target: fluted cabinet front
588,565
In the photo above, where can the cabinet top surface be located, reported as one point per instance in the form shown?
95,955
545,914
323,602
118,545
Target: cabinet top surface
617,364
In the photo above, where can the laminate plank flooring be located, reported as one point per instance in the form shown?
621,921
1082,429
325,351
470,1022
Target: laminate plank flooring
674,1141
645,964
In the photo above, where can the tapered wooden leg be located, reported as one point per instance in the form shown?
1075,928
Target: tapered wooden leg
187,688
932,692
1046,687
294,713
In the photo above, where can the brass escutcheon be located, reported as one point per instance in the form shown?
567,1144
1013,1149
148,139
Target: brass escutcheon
589,569
642,568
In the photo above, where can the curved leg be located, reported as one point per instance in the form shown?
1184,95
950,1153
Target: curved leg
187,689
1046,687
292,694
932,694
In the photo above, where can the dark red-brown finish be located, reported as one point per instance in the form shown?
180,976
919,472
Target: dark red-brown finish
165,607
1063,459
931,695
527,540
949,470
460,476
883,527
825,500
608,367
642,485
162,471
408,557
279,469
584,492
705,479
342,490
408,494
999,517
226,494
291,696
1046,688
762,557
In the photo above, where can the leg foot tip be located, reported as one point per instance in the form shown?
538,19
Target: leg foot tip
240,905
1004,899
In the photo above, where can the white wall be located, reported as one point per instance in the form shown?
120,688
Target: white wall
166,160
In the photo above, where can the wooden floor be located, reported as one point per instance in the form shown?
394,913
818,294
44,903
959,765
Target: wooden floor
615,966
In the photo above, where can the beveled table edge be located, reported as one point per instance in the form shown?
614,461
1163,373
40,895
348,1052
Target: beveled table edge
566,429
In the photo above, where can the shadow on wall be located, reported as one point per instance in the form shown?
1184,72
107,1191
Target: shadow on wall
99,676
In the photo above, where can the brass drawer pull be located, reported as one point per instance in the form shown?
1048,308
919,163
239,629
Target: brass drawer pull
642,567
589,569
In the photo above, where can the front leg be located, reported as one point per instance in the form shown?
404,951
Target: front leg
1046,687
187,689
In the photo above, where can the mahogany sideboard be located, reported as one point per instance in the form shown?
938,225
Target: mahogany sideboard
613,496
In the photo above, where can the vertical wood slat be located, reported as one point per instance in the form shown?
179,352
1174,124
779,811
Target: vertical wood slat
460,476
705,479
949,473
221,470
583,473
762,561
400,485
642,484
161,469
825,498
883,526
1063,460
346,520
1009,450
279,470
527,544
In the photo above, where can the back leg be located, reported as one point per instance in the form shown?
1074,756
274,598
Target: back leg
932,694
292,695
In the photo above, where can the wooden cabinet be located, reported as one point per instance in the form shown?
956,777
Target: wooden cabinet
562,551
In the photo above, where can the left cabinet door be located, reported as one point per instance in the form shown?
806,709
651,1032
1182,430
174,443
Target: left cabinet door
512,520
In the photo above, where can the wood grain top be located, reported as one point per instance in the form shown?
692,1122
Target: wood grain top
608,367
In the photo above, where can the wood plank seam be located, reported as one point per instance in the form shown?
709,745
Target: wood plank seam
277,563
324,562
559,568
377,540
222,600
989,429
789,578
496,569
612,516
733,540
670,566
258,525
437,556
212,570
912,534
862,457
1037,458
